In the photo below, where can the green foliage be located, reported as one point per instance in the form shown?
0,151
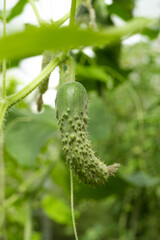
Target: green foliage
141,179
15,11
31,133
122,84
98,127
122,9
92,73
35,40
57,209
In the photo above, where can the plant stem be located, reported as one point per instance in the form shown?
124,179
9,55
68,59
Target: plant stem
72,206
72,69
72,78
2,189
59,22
4,60
39,19
13,99
72,13
2,115
92,14
4,80
3,109
28,222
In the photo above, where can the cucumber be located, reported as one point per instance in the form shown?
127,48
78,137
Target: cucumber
43,87
71,112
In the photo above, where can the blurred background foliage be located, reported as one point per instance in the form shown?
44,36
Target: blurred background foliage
123,84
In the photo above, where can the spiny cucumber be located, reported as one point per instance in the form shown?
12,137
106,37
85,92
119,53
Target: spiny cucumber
71,111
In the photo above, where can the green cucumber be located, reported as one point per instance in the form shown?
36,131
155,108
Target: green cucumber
43,87
71,111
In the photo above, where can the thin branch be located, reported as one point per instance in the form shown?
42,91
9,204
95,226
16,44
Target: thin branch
72,205
4,61
72,13
13,99
71,70
59,22
72,75
39,19
2,164
28,222
92,14
2,191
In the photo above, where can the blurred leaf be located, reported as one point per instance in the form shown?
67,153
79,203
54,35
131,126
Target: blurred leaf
93,73
15,11
115,185
33,41
109,55
26,135
120,9
57,209
99,120
101,11
141,179
11,64
151,33
61,169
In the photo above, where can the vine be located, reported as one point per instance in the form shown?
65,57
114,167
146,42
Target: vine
39,19
2,164
72,78
28,221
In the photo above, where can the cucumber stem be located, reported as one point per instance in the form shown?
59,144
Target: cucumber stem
72,205
72,13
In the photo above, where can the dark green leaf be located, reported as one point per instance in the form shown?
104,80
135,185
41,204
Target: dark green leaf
151,33
120,10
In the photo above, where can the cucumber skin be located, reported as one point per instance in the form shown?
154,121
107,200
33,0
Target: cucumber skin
71,112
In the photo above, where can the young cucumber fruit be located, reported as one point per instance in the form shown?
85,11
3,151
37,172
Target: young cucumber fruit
43,87
71,111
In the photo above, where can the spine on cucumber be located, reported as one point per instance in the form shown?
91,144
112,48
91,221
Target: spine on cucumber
71,111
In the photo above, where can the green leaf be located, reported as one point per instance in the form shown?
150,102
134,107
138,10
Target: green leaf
115,185
25,135
92,73
34,41
57,209
141,179
151,33
99,120
121,9
15,11
61,169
